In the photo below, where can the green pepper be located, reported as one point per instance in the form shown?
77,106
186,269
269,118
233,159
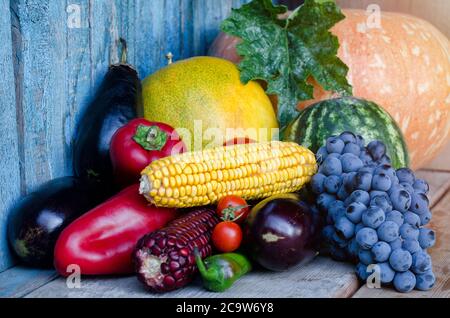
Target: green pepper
220,271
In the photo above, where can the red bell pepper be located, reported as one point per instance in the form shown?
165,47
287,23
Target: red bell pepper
138,143
101,241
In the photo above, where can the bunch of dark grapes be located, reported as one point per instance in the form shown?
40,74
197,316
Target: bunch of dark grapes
374,213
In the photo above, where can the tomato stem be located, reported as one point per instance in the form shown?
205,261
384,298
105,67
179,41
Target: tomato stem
150,137
228,214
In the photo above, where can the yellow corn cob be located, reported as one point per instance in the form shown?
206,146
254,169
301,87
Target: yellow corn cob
251,171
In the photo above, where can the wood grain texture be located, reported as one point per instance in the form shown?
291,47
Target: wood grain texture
440,255
9,143
19,281
320,278
62,65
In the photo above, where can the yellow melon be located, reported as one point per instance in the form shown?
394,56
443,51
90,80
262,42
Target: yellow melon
205,101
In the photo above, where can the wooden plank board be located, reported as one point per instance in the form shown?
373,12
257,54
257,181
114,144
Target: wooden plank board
19,281
9,143
440,255
320,278
43,97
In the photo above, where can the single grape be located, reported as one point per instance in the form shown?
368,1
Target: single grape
321,154
384,160
366,237
332,183
360,140
425,281
353,249
327,233
386,169
405,175
324,200
331,166
360,196
419,203
317,181
427,238
339,241
365,157
388,231
409,232
361,271
400,260
382,202
386,272
412,218
381,251
377,193
369,168
373,217
359,226
350,162
377,149
365,257
411,246
381,182
421,262
353,149
338,253
404,282
401,199
348,137
334,144
363,180
335,205
354,211
421,185
395,216
342,194
408,187
344,228
337,214
348,181
396,244
425,218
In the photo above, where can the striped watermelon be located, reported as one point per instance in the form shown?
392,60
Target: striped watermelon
334,116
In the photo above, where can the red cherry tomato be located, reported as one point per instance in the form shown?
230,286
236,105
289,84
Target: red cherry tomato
139,142
239,141
233,208
227,236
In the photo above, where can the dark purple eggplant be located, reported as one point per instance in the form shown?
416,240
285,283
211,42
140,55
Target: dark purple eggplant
280,232
117,102
38,218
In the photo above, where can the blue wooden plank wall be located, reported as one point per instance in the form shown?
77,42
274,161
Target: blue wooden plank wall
50,66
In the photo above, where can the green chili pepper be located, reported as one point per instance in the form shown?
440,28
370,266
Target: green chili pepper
220,271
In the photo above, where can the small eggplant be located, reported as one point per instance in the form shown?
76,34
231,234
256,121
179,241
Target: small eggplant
117,101
38,218
280,232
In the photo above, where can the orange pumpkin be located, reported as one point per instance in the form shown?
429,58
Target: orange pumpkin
403,66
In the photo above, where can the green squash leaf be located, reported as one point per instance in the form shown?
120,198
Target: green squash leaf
286,52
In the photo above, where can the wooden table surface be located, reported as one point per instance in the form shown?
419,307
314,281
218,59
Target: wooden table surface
320,278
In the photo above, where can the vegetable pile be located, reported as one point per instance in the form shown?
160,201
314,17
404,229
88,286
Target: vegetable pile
142,202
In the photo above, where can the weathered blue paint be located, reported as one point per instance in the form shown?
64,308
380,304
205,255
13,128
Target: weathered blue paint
57,69
9,150
19,281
